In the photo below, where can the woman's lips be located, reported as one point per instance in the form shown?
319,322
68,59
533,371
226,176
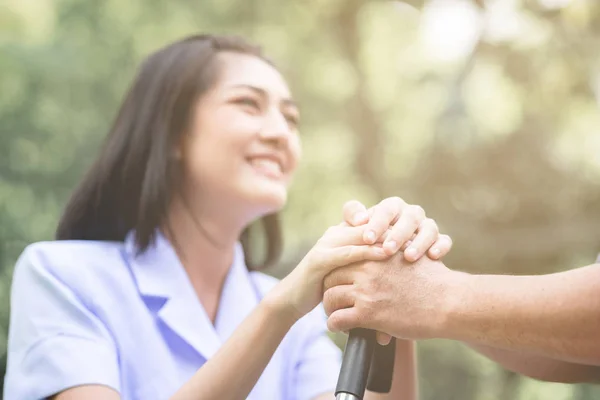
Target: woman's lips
267,167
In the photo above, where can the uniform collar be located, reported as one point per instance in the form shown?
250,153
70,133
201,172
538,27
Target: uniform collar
160,275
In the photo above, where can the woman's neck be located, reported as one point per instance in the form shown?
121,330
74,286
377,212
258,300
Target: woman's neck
205,244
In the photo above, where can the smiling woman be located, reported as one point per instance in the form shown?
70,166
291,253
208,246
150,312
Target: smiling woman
247,131
147,294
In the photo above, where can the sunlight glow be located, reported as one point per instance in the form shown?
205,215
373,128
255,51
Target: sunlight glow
554,4
450,29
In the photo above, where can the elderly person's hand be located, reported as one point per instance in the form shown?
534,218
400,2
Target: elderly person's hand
399,227
395,297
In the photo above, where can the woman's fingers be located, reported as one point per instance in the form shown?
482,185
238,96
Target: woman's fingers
404,229
324,261
399,226
441,247
427,235
384,214
346,255
355,213
343,234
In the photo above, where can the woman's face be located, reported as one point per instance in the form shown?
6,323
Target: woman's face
243,146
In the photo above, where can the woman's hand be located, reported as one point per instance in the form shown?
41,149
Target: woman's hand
399,226
341,245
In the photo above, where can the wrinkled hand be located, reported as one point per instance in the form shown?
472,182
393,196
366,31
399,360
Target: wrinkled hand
400,226
396,297
302,289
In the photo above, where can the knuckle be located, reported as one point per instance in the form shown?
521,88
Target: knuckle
415,213
404,230
370,304
343,254
446,240
317,252
328,302
369,279
364,314
337,322
374,288
350,205
384,207
418,210
394,201
430,224
354,253
329,282
332,323
370,301
397,201
330,231
317,255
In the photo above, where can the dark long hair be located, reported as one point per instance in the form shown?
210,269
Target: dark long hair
131,183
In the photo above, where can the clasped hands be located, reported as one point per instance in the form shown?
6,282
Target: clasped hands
399,295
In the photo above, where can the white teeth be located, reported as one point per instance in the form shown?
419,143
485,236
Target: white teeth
267,165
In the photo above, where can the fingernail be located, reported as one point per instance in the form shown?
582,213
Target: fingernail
435,252
360,217
392,245
370,236
411,252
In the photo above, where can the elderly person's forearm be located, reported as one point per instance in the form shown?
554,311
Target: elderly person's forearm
555,315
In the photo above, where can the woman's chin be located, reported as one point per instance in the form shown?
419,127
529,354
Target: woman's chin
274,203
268,201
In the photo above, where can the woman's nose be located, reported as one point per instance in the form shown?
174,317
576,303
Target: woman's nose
275,127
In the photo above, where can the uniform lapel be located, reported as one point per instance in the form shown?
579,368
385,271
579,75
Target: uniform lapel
238,298
159,274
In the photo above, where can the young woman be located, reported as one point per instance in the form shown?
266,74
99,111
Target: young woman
150,291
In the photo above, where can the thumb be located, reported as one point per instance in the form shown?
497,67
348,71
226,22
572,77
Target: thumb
355,213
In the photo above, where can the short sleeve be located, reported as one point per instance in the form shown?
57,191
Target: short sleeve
55,340
318,359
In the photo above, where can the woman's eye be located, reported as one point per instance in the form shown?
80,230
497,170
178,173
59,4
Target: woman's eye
292,120
248,102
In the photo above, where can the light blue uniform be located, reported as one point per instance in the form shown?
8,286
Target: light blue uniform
85,312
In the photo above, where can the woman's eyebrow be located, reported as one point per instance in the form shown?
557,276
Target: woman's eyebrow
263,93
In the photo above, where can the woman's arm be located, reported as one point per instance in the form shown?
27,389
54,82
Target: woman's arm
238,365
88,392
233,371
241,347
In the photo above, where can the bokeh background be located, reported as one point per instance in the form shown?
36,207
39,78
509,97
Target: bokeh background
486,113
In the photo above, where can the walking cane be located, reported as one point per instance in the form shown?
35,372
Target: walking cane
365,365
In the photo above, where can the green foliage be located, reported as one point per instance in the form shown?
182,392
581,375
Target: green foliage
497,140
